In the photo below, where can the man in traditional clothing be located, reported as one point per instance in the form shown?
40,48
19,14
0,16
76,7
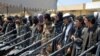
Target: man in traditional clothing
68,30
9,24
21,28
47,33
77,37
58,22
91,35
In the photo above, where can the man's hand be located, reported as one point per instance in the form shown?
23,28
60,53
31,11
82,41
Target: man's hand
69,50
58,47
73,38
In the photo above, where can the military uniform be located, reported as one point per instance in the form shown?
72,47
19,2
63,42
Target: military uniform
48,34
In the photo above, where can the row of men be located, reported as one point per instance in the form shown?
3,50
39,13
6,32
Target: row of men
83,30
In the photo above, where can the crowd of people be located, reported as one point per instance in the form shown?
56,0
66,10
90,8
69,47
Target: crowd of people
82,30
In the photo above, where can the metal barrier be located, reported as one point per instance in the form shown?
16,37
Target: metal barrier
25,49
8,37
3,36
61,49
98,51
7,33
86,51
7,43
13,46
43,45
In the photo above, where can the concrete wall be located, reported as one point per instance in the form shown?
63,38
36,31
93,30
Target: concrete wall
81,9
95,0
31,6
71,7
41,4
80,12
93,5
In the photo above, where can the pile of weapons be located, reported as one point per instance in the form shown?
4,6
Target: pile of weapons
12,48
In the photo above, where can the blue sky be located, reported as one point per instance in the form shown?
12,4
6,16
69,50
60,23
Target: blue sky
71,2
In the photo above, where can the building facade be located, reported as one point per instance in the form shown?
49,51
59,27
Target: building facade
81,9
